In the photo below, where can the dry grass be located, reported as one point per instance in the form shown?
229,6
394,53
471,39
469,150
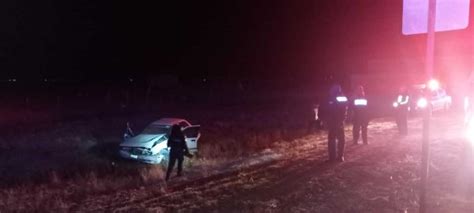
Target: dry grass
57,167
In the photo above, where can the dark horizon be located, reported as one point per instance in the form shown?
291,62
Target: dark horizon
248,40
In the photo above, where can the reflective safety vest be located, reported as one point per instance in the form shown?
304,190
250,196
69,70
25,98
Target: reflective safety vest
360,102
341,99
402,99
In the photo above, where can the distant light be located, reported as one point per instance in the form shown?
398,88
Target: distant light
12,80
45,80
395,104
433,84
130,79
204,80
422,103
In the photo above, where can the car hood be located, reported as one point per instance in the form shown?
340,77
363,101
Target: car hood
142,140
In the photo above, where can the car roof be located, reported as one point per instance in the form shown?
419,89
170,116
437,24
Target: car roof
169,121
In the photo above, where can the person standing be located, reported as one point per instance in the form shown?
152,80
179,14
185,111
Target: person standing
128,131
178,149
315,122
359,114
333,114
401,111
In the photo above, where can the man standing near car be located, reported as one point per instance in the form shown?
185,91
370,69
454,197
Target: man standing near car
333,114
178,149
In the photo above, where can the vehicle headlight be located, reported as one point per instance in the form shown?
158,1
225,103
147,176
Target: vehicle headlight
147,152
422,103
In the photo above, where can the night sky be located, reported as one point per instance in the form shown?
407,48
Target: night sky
194,39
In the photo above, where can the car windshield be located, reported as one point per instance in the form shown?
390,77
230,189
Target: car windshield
156,129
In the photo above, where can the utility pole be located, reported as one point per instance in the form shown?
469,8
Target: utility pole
429,60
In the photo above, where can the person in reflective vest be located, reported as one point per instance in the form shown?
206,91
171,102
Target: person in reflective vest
359,114
333,113
401,110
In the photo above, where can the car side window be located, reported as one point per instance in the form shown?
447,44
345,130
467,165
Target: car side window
192,132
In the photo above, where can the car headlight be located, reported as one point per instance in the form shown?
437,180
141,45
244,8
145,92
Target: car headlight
147,152
422,103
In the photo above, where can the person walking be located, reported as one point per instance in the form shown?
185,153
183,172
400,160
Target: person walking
333,114
178,149
359,115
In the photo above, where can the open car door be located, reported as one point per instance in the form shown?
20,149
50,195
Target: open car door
192,134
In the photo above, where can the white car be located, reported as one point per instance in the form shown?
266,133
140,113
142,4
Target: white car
150,146
439,100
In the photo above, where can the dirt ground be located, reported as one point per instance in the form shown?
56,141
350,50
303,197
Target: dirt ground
381,177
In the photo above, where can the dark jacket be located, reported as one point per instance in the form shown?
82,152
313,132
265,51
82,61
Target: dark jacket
177,143
337,112
358,108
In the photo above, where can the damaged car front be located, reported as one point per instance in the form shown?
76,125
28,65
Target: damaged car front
149,147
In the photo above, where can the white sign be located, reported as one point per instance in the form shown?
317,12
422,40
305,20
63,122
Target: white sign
450,15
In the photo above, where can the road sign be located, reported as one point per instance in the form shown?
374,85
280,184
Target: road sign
450,15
